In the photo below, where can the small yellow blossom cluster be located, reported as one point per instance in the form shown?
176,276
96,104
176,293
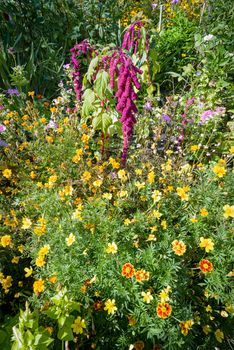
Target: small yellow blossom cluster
183,193
40,260
6,282
185,326
40,228
219,168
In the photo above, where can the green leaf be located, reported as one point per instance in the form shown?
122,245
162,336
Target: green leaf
65,332
102,122
101,83
89,98
92,66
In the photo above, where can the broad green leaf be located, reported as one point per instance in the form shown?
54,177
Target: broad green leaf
89,98
102,122
92,66
101,83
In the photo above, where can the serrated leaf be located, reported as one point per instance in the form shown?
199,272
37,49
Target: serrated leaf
89,98
101,83
102,122
92,66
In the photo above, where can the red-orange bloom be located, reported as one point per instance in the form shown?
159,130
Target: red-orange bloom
163,310
205,266
128,270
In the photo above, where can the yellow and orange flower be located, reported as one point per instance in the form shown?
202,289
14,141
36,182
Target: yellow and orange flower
163,310
179,247
205,266
128,270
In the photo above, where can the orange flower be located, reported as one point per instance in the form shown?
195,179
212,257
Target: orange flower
163,310
205,266
178,247
128,270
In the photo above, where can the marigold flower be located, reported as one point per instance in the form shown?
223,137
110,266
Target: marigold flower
156,196
28,271
219,335
110,306
15,260
128,270
44,250
6,240
7,173
178,247
185,326
151,177
139,345
228,211
207,244
78,326
111,248
203,212
163,310
122,175
147,297
70,239
38,286
40,261
26,223
182,193
219,170
86,176
205,266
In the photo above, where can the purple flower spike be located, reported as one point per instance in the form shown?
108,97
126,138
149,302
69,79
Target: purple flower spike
13,92
148,106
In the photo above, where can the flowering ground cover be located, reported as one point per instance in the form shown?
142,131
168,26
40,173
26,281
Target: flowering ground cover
117,195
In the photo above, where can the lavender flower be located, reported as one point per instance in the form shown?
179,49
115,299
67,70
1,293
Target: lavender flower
154,6
207,115
2,128
3,143
51,125
148,106
166,118
13,92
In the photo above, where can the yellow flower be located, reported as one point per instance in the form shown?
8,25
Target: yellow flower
228,211
28,271
86,176
85,138
151,237
193,220
31,93
44,250
219,335
110,306
40,261
206,329
203,212
77,214
97,183
219,170
156,214
147,297
20,248
208,308
207,244
231,149
122,175
26,223
138,171
15,260
156,196
139,185
114,163
107,195
7,173
7,283
122,194
178,247
164,224
38,286
224,313
78,325
111,248
70,239
163,295
53,109
6,240
127,222
185,326
194,148
151,177
182,193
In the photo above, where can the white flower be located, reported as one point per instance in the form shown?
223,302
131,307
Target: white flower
208,37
